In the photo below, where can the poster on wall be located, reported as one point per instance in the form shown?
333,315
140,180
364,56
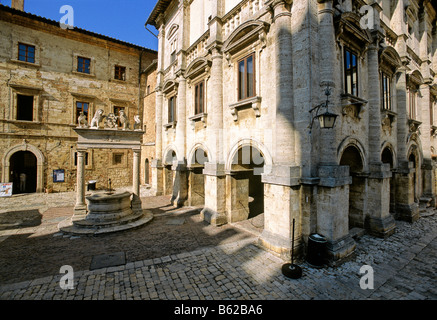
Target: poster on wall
6,189
58,175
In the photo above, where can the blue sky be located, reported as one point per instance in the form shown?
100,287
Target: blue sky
120,19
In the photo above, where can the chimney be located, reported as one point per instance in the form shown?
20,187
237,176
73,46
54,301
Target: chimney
18,4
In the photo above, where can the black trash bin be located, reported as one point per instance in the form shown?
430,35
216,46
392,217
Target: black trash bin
316,252
91,185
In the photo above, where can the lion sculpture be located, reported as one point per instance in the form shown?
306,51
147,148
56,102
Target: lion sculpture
123,120
82,120
98,117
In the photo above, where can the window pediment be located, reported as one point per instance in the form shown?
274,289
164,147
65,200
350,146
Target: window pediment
247,33
347,27
170,86
173,29
197,67
415,78
390,58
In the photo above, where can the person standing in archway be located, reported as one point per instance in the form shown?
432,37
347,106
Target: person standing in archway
22,182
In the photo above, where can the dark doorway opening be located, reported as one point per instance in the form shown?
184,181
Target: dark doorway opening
23,166
24,107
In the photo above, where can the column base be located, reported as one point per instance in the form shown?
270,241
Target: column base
340,249
213,217
407,212
280,245
380,227
79,212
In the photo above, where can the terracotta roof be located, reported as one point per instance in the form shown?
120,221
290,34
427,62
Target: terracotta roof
75,29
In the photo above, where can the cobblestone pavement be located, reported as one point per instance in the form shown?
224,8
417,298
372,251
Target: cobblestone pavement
229,265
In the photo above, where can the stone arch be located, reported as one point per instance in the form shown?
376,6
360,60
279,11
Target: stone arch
197,158
352,156
40,161
169,155
193,154
387,148
415,156
250,142
388,156
348,142
245,164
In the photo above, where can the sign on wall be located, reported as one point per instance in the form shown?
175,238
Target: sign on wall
6,189
58,175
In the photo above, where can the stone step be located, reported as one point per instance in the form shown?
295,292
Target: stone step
86,223
425,202
69,228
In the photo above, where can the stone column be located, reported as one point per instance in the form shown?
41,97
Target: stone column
214,210
136,172
180,173
425,137
136,201
281,181
80,208
327,51
330,201
157,177
405,207
378,221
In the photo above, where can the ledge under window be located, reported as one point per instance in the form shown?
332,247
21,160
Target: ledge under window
30,64
434,131
388,115
254,102
414,125
199,117
352,103
170,125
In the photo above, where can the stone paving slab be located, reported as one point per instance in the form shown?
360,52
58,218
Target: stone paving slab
404,265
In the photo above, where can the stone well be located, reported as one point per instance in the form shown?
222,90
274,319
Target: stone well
108,212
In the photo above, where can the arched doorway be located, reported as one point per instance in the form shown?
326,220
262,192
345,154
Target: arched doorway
23,172
246,191
387,157
168,172
146,171
414,159
196,179
357,190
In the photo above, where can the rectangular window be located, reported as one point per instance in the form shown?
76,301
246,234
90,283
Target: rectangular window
246,77
117,158
351,72
172,109
120,73
83,65
82,107
75,158
26,53
117,114
199,98
412,103
24,107
386,92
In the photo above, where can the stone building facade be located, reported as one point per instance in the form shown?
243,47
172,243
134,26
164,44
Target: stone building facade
48,76
240,86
